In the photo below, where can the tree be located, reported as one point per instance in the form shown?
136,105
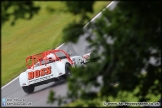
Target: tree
17,10
135,29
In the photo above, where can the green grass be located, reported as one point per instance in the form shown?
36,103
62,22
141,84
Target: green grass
42,32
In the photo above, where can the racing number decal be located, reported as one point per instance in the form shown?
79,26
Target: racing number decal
48,70
30,75
42,72
38,73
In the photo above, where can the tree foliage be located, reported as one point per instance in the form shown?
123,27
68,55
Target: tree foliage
80,7
17,10
135,31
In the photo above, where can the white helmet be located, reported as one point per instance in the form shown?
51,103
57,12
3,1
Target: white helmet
51,56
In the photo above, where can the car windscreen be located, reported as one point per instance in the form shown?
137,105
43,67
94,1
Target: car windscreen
60,54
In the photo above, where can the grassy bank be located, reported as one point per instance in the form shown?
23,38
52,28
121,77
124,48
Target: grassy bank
42,32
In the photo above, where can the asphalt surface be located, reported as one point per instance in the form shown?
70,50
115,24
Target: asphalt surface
39,96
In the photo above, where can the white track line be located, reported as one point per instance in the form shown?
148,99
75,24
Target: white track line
64,43
60,46
98,14
10,82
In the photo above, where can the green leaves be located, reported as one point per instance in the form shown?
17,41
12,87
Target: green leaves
18,10
72,32
51,97
80,7
134,28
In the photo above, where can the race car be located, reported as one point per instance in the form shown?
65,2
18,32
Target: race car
47,66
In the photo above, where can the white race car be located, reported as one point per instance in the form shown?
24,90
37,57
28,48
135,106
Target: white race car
47,66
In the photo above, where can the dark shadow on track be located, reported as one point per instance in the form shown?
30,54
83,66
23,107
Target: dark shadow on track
62,81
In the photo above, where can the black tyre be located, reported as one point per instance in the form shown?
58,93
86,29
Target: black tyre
67,70
28,89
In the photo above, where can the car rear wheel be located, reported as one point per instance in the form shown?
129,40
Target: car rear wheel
67,70
28,89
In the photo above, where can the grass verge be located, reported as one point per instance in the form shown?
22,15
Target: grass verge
42,32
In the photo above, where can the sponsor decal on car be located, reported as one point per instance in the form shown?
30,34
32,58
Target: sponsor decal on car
40,79
86,56
39,73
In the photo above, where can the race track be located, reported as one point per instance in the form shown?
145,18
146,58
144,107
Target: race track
39,97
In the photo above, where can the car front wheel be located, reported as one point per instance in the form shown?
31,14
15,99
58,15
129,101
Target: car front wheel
67,70
28,89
